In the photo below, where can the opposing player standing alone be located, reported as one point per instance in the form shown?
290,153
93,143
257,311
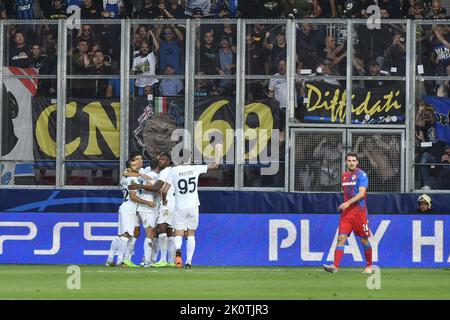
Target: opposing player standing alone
354,213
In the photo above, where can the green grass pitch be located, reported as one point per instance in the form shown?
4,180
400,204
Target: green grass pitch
217,283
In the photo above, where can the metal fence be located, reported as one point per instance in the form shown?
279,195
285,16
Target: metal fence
326,87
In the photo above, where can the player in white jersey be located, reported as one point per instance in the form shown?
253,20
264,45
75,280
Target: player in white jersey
139,159
184,179
127,218
165,217
149,215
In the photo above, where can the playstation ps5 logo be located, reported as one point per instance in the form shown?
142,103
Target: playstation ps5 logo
56,231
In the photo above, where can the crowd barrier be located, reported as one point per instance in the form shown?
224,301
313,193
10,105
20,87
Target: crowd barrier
246,229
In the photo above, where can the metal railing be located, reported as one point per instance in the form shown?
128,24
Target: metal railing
242,79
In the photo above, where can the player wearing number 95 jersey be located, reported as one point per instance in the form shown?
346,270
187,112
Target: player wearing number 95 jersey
127,217
354,213
184,179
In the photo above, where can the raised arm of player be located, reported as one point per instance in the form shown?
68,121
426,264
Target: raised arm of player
135,198
361,193
218,156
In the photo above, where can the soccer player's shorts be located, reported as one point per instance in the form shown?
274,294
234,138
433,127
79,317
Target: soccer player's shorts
186,218
354,222
127,222
148,218
165,215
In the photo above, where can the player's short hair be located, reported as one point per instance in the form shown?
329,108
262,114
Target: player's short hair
154,163
165,154
351,154
128,164
135,154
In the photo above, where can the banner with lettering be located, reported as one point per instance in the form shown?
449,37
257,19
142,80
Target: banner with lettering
216,117
326,102
441,107
16,126
92,129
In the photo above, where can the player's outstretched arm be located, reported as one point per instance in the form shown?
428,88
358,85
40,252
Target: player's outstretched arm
218,154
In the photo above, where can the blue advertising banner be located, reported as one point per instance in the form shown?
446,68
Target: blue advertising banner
254,202
232,239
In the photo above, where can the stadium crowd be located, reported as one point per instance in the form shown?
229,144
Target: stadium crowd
159,49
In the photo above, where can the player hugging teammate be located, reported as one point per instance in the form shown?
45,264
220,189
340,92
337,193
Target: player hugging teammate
159,197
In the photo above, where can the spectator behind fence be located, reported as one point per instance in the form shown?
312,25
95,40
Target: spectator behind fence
373,69
87,34
277,49
435,10
3,10
57,10
19,54
430,148
395,55
278,91
150,10
204,87
37,60
144,31
256,57
171,87
227,30
200,8
296,8
441,46
443,175
170,47
335,54
383,160
416,11
111,9
145,64
174,10
24,9
308,43
268,9
89,10
324,8
102,66
326,166
208,59
392,8
82,63
227,63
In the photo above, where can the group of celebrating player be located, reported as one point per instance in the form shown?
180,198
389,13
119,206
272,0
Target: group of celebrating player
164,199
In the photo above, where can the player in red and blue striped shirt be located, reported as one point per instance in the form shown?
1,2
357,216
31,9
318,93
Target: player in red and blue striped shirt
354,213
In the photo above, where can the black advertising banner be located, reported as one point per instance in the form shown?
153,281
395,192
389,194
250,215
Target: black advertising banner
92,129
379,105
93,126
217,116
